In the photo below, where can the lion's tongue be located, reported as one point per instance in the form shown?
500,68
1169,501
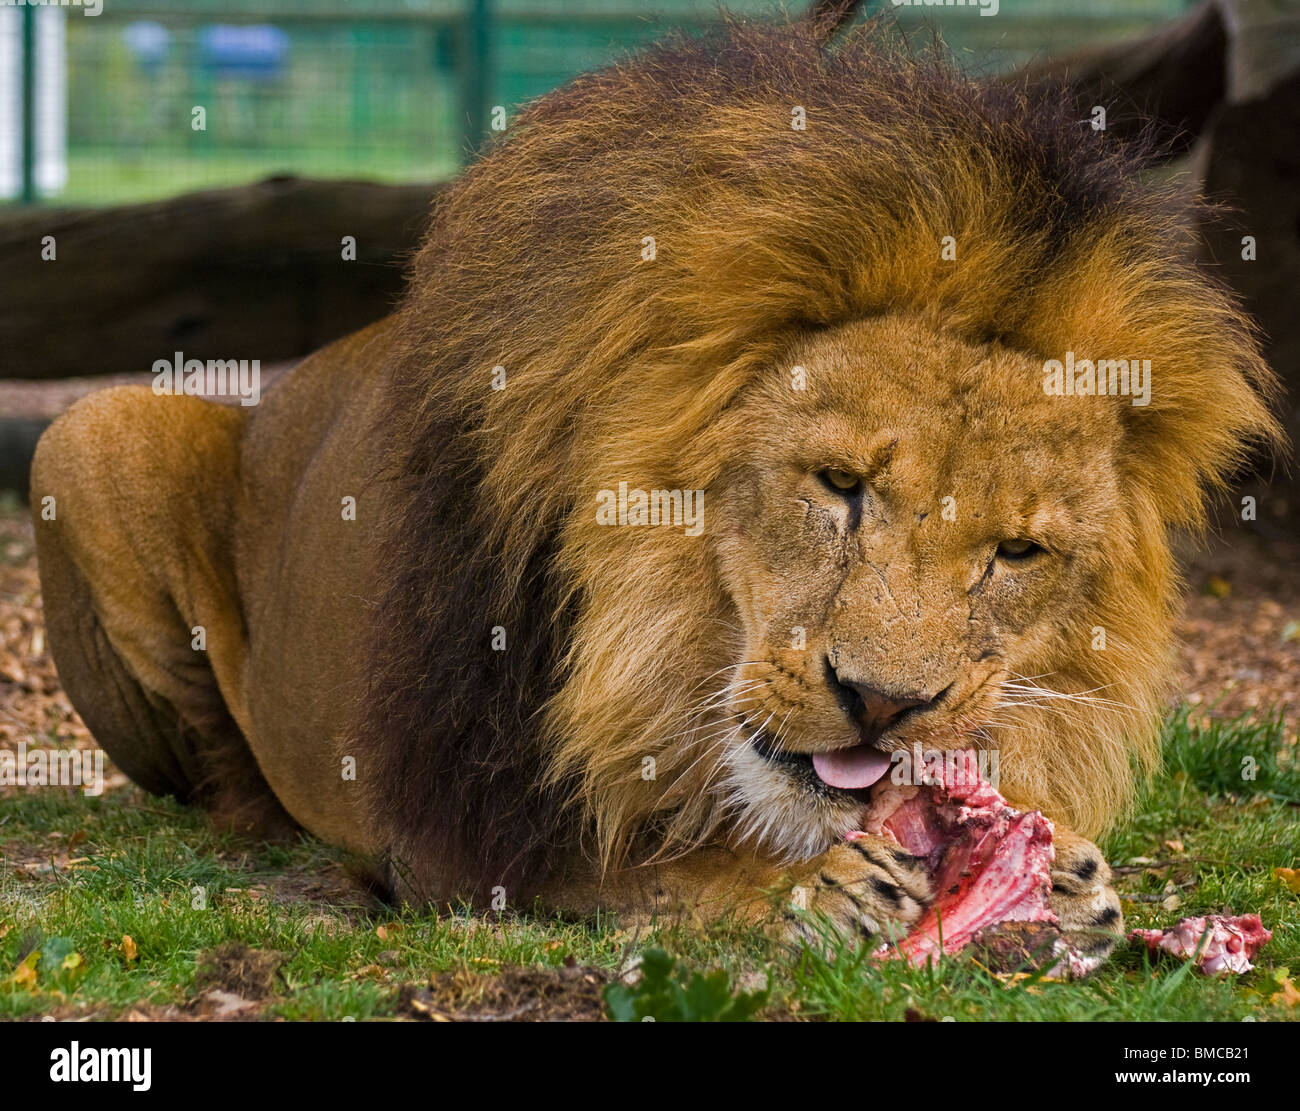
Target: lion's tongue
849,768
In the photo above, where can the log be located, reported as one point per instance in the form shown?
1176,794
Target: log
1223,83
18,436
249,272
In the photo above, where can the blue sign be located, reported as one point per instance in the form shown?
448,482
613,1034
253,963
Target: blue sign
257,52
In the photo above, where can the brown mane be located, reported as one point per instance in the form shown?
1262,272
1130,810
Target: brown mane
483,761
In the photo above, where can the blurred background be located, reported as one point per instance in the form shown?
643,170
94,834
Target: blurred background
179,174
389,90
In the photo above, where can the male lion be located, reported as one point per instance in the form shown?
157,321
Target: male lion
821,288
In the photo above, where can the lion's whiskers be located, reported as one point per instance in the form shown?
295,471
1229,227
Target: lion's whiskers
1020,691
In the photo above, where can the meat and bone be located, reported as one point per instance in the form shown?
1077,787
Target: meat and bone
990,864
1219,944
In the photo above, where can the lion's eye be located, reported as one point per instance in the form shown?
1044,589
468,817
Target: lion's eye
1017,551
842,482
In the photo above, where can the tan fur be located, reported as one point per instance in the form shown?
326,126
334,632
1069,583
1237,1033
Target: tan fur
775,249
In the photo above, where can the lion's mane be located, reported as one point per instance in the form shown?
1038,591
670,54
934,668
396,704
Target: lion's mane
481,763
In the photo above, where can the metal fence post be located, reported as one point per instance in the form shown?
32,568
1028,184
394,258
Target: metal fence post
29,104
476,85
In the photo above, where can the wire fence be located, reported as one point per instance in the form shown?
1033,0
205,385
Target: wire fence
147,99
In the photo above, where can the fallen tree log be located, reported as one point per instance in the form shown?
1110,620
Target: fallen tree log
1223,83
251,272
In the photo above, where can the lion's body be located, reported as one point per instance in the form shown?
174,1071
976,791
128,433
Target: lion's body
517,685
190,514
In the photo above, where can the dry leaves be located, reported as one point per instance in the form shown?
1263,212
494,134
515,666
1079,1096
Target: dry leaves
224,1004
1241,650
1286,995
23,978
1290,877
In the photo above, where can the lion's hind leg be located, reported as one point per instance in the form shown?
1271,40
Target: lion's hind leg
132,498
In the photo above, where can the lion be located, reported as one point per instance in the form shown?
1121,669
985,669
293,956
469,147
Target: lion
719,451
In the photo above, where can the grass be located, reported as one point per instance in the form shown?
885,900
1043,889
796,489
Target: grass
83,874
113,177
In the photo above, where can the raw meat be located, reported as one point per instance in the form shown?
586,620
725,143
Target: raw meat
1231,944
987,862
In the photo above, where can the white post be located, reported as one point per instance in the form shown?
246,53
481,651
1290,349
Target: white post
51,101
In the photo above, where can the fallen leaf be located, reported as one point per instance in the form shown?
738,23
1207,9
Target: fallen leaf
1290,877
128,948
421,1003
1175,846
225,1004
1010,979
24,976
1218,587
1288,996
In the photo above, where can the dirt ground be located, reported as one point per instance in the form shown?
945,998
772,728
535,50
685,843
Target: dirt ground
1239,633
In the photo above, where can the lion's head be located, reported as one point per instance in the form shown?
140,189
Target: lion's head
824,293
922,547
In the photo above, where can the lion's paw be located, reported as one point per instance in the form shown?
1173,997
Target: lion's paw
1084,901
869,890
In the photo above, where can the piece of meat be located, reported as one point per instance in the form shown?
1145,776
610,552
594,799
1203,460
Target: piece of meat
988,863
1233,941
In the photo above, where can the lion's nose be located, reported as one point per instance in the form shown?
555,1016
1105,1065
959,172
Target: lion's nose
874,708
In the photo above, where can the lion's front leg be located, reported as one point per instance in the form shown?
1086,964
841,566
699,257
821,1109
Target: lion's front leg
1083,899
868,889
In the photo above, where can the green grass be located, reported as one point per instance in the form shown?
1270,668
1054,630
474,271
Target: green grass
146,862
112,177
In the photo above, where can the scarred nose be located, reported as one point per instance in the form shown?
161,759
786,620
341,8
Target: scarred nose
872,708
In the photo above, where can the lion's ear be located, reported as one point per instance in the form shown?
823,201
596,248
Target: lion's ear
1201,403
1196,422
1203,409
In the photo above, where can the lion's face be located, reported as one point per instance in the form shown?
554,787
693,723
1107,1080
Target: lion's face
911,544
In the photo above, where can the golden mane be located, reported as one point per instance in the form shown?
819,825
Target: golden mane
640,245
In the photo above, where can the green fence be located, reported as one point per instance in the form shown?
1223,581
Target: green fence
398,89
